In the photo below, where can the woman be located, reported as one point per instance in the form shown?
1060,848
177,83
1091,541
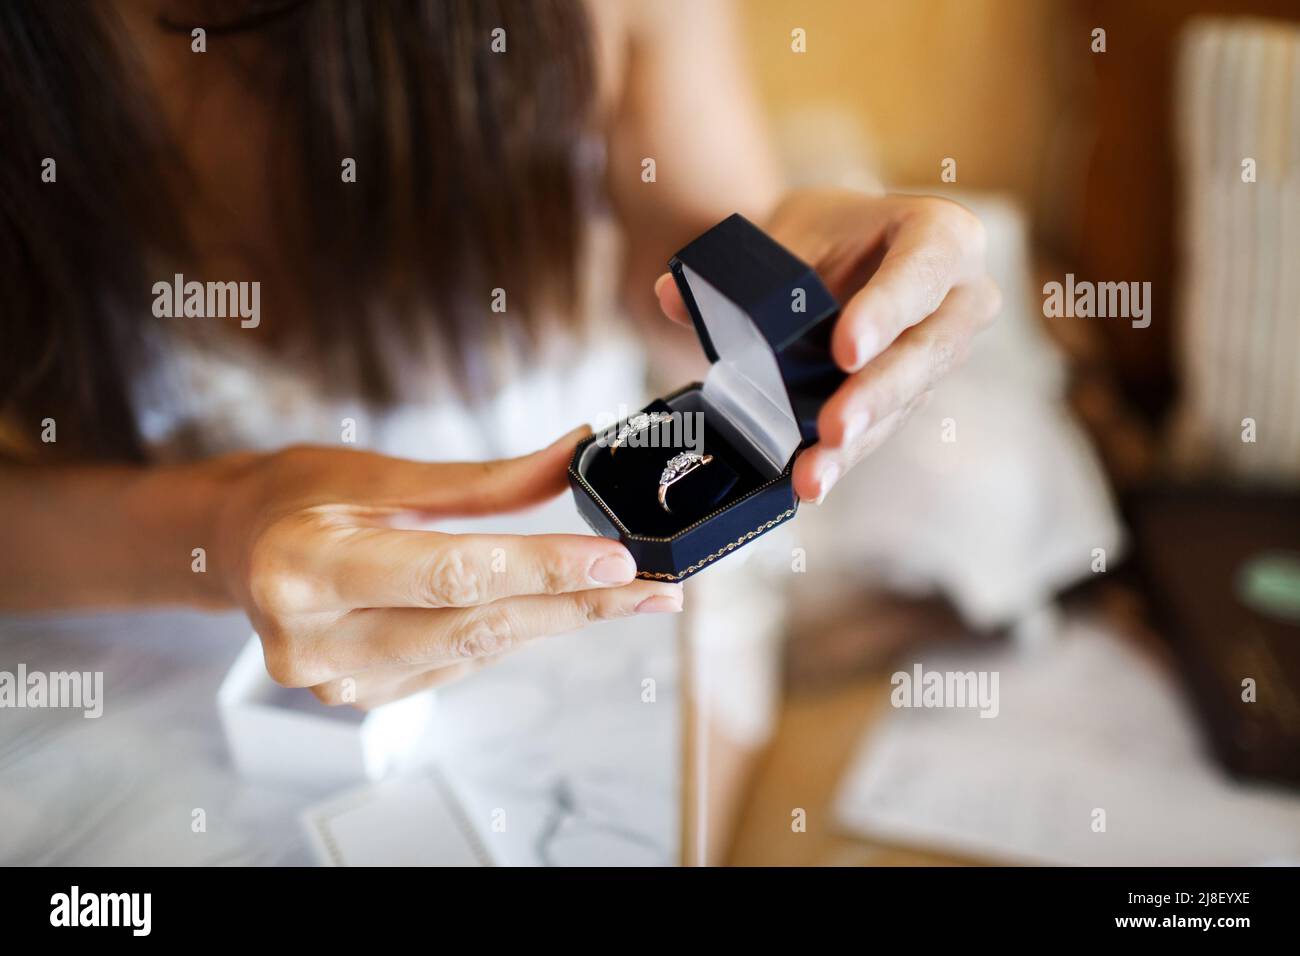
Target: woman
415,188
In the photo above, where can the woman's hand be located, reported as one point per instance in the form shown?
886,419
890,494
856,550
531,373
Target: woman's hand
363,613
911,273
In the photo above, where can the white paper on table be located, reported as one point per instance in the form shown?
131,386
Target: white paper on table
1085,723
412,821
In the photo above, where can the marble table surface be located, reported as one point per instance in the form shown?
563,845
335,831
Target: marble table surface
558,732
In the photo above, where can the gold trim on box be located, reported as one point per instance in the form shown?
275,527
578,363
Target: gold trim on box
747,536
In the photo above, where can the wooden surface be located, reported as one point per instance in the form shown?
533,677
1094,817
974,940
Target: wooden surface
816,738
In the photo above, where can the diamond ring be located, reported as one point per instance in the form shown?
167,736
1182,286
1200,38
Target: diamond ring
639,423
678,467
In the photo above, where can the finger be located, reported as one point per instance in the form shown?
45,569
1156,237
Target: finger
382,685
413,636
934,247
385,637
670,299
369,567
915,363
819,468
421,681
473,488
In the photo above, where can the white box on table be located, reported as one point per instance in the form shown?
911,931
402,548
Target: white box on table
286,735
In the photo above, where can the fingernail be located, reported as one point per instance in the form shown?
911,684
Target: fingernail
830,474
612,569
853,429
864,349
660,604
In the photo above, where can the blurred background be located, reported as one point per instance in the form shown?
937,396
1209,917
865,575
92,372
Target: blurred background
1115,529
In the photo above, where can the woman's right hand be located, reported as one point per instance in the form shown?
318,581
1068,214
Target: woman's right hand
363,613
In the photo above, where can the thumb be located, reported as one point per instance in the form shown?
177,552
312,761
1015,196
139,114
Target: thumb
670,299
482,487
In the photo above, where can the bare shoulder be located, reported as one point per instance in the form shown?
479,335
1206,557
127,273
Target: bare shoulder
628,34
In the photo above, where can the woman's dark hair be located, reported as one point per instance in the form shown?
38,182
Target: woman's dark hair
466,181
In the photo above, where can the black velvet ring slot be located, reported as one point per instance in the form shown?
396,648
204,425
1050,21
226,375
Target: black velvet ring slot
627,480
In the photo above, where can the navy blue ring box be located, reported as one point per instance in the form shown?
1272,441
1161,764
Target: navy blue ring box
764,319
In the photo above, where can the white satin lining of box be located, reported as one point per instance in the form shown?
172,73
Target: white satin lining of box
745,382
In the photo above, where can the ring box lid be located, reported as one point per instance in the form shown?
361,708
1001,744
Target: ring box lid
764,319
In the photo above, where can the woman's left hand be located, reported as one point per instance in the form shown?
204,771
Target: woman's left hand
910,272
